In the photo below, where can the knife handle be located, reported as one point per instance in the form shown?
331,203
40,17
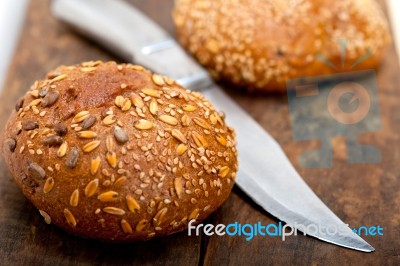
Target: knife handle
127,32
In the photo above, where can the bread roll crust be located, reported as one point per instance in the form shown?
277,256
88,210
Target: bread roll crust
260,44
116,153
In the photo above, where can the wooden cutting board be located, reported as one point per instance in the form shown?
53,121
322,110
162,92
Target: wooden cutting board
360,194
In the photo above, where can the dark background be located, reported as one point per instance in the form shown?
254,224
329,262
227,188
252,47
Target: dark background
361,194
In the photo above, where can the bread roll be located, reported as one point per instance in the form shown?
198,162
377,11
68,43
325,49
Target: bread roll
260,44
116,153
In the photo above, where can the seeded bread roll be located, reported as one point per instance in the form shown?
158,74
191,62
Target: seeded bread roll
116,153
260,44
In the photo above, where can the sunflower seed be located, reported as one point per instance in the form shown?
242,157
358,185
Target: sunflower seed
36,171
120,135
29,125
50,98
53,140
72,158
19,104
43,91
11,144
61,129
88,122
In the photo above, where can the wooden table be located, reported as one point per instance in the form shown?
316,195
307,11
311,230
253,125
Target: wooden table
361,194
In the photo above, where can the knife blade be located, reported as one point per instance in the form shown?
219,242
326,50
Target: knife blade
265,173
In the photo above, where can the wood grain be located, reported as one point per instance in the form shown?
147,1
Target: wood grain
360,194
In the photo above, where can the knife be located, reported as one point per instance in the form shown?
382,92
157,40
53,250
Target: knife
265,173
